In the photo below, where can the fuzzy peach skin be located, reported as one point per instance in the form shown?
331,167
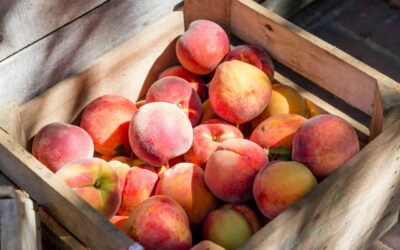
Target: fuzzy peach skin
119,221
121,169
284,100
160,131
59,143
324,143
106,119
253,55
207,137
314,110
230,226
185,184
277,130
231,169
140,183
177,91
194,80
202,47
239,92
95,181
207,245
160,223
280,184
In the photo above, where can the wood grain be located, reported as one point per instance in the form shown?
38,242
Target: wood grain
23,22
65,52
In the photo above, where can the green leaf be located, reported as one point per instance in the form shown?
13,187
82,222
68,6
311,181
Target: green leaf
280,153
119,149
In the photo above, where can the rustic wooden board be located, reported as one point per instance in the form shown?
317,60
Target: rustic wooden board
23,22
65,52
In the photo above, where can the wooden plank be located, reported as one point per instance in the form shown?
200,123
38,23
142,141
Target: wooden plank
25,21
65,52
10,121
339,213
127,70
58,199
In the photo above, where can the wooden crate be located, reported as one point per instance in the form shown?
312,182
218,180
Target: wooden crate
349,210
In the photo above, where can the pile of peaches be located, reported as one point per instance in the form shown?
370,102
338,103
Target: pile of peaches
194,162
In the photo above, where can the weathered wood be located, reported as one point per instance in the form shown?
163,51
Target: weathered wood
340,213
65,52
25,21
10,121
127,70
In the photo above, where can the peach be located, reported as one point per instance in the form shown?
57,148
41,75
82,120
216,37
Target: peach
194,80
277,130
207,245
59,143
202,47
231,169
284,100
121,169
177,91
119,221
95,181
324,143
280,184
185,184
230,226
239,91
207,137
160,223
208,112
253,55
160,131
314,110
106,119
140,183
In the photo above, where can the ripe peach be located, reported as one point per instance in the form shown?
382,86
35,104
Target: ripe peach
284,100
59,143
121,169
230,226
208,112
239,91
231,169
314,110
95,181
139,185
177,91
106,119
207,137
280,184
194,80
253,55
207,245
277,130
160,223
324,143
185,184
202,47
160,131
119,221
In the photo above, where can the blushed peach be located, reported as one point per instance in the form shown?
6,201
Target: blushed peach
239,92
119,221
57,144
106,119
202,47
280,184
207,245
314,110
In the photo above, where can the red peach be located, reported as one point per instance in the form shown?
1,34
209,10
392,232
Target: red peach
231,169
194,80
324,143
57,144
207,137
95,181
177,91
202,47
280,184
185,184
160,131
106,119
208,112
239,91
253,55
160,223
119,221
207,245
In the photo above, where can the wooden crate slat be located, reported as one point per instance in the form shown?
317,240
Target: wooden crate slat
25,21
